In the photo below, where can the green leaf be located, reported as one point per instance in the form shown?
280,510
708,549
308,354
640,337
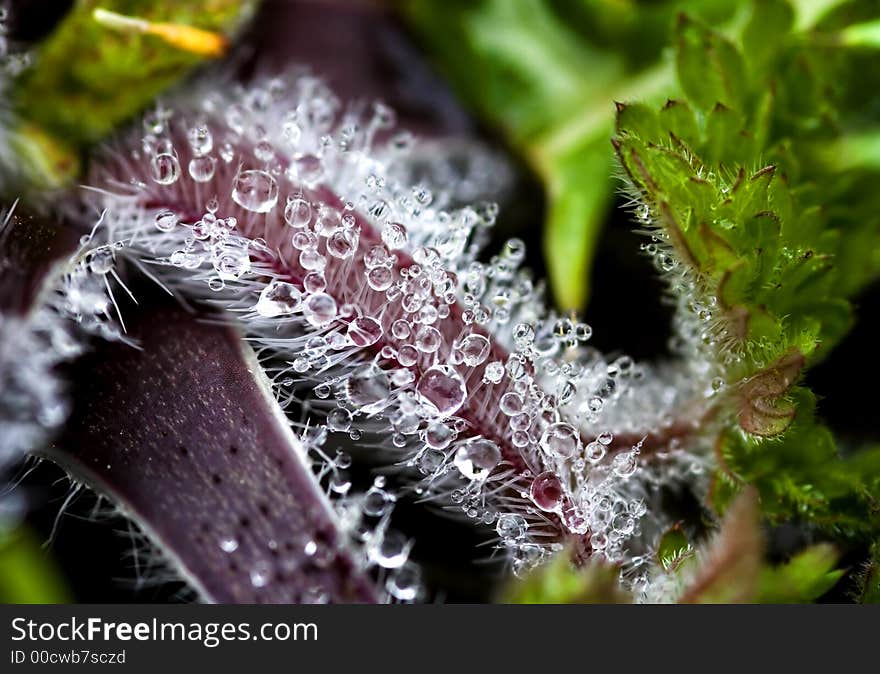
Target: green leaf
673,548
89,76
561,582
804,578
710,68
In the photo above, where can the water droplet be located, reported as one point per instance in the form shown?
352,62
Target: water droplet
546,492
394,235
625,464
595,452
320,309
255,191
232,262
314,282
101,260
260,574
476,458
166,221
368,389
428,339
511,527
380,278
494,372
297,212
439,435
430,460
229,545
342,243
364,331
377,501
474,349
403,584
561,439
201,169
339,420
278,298
200,139
511,403
390,551
442,390
165,168
400,329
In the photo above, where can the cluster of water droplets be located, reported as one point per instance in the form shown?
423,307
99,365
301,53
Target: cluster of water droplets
364,294
76,304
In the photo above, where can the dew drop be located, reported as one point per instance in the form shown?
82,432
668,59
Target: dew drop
476,458
166,221
428,339
229,545
364,331
342,243
320,309
546,492
101,260
339,420
377,501
439,435
278,298
442,390
368,389
561,439
165,168
511,527
255,190
297,212
394,235
474,349
201,169
380,278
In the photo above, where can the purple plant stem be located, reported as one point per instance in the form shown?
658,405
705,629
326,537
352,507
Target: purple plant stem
187,441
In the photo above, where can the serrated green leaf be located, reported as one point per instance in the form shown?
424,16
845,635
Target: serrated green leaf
710,67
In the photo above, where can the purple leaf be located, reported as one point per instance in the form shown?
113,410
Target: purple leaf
186,438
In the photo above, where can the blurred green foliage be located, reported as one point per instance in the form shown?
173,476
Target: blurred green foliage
27,573
88,78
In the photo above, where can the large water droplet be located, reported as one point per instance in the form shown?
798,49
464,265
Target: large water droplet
320,309
364,331
368,389
394,235
428,339
511,527
342,242
474,349
297,212
561,439
476,458
165,168
442,390
201,169
255,191
278,298
546,491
